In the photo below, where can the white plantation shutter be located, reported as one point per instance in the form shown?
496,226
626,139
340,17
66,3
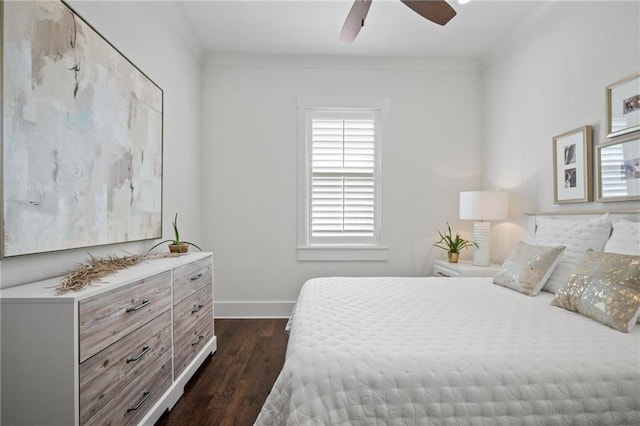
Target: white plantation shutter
342,177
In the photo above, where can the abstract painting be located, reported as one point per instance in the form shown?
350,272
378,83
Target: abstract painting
81,136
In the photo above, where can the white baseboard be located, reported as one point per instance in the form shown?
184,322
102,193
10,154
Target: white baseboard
253,309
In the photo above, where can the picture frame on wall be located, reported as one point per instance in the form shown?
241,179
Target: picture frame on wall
623,106
81,136
572,170
618,169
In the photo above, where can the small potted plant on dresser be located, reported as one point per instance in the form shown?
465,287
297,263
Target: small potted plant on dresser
176,245
453,245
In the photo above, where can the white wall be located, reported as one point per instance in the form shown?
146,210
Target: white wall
238,190
546,78
143,32
249,134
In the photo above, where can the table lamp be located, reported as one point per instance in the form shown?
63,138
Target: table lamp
482,206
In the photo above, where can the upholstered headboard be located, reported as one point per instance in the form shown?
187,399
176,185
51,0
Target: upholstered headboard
613,232
632,215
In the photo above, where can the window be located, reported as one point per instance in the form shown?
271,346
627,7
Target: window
342,205
339,206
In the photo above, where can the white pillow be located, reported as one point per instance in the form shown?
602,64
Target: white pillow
625,238
577,235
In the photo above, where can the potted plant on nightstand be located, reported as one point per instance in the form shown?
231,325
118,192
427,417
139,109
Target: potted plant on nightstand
453,245
176,245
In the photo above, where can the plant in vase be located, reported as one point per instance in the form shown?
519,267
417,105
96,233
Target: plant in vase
176,245
453,245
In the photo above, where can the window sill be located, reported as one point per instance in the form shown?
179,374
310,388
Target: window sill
342,254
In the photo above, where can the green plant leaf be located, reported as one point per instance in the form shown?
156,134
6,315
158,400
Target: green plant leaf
161,242
449,243
177,236
191,244
175,229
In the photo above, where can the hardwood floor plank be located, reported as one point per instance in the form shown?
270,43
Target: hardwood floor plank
244,407
269,329
231,387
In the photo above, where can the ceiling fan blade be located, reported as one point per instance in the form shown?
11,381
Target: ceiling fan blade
438,11
355,20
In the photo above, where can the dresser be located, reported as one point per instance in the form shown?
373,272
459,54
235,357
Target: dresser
119,352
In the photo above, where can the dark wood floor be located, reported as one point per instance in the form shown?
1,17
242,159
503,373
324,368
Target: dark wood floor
231,386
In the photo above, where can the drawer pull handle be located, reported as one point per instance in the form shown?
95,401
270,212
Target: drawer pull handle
145,396
145,349
198,342
197,277
144,303
196,308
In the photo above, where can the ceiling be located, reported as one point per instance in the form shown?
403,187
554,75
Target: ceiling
312,27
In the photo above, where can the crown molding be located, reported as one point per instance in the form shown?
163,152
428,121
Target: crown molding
176,19
259,60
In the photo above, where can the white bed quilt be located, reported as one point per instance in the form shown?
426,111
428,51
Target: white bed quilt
449,351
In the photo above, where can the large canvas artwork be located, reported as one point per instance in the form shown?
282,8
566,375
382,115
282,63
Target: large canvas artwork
81,136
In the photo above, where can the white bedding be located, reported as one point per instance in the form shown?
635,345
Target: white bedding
445,351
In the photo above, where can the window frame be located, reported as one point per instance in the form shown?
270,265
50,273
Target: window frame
350,249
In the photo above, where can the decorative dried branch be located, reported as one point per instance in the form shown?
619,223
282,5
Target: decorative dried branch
96,268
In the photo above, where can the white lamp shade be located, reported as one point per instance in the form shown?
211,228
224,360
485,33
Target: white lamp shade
483,205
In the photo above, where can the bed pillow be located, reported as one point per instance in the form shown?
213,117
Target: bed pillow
605,287
577,236
625,238
528,267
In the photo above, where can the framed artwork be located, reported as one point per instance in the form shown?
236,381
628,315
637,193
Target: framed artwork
618,163
623,106
572,159
81,136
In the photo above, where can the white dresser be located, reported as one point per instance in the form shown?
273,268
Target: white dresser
118,352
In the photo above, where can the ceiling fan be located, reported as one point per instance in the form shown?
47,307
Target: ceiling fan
438,11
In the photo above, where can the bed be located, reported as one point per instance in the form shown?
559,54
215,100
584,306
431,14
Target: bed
449,351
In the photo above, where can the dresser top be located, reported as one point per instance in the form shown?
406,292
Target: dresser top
45,290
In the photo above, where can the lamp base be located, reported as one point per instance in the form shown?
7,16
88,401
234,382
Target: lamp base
481,231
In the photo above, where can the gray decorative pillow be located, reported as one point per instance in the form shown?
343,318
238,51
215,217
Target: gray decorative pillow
528,267
605,287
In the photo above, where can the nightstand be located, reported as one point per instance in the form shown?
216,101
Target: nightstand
464,268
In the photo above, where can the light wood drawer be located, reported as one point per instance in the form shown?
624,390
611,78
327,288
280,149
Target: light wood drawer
129,406
108,317
107,373
188,279
192,327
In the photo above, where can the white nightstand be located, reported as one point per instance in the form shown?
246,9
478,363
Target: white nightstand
464,268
